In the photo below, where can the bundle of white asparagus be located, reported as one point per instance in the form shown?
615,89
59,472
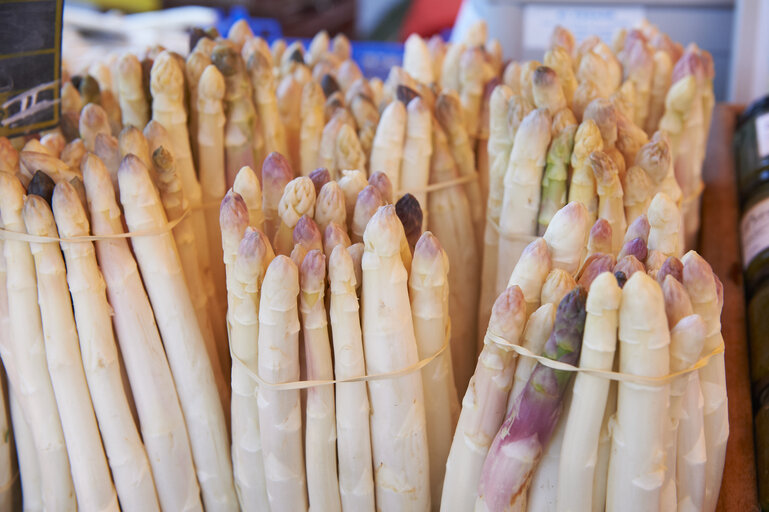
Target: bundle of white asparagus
599,150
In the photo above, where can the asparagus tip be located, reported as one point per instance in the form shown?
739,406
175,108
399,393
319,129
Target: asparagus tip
41,185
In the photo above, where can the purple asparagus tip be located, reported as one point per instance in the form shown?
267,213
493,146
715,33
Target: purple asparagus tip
410,213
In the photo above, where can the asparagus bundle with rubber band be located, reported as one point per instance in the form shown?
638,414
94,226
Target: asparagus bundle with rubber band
398,431
185,346
484,404
27,355
280,417
90,472
151,381
356,481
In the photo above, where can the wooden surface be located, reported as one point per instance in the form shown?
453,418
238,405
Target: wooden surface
720,245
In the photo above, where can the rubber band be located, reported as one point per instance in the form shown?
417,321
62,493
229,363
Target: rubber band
439,186
304,384
24,237
605,374
513,238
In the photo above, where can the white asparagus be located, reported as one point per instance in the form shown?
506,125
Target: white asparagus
398,430
351,182
311,129
27,354
429,294
90,472
531,272
356,480
567,235
320,427
576,472
637,463
387,149
280,417
416,59
128,458
161,271
665,220
160,415
253,255
483,406
134,106
417,150
7,478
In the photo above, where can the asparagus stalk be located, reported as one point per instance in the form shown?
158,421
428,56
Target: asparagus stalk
129,463
194,67
449,79
603,113
387,149
671,267
368,202
132,141
266,101
28,357
582,187
383,184
638,61
450,221
54,142
160,266
595,266
530,272
511,76
72,154
311,129
334,235
473,73
482,144
106,147
564,39
523,180
327,153
280,417
93,121
660,84
664,219
410,214
29,470
366,117
330,206
71,105
624,99
276,173
417,150
348,151
557,284
253,255
556,175
516,449
547,91
629,265
610,198
90,472
526,82
416,59
7,469
559,60
630,138
150,376
429,294
577,468
483,406
637,188
356,484
398,431
636,467
319,177
450,114
307,234
352,182
701,283
600,238
298,199
288,92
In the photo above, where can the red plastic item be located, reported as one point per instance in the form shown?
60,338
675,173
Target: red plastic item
428,17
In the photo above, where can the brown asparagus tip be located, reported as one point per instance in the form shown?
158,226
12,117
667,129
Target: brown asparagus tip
672,267
297,55
639,228
196,34
329,85
410,214
233,213
600,237
628,265
603,167
508,315
405,94
677,302
41,185
621,279
225,58
635,247
544,77
306,232
603,113
89,89
162,158
312,272
382,182
319,177
596,264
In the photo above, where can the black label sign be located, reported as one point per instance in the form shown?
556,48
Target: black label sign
30,65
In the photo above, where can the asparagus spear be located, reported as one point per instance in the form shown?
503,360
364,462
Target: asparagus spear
526,82
280,418
582,187
319,177
28,357
624,99
410,214
239,33
398,432
567,235
327,152
107,149
701,283
637,188
298,199
473,73
93,121
555,176
9,156
129,463
194,67
387,149
151,381
368,202
312,123
334,235
366,117
449,215
72,154
671,267
628,265
660,84
523,180
182,338
330,206
483,406
54,142
594,266
265,99
132,141
557,284
630,138
71,105
449,79
664,219
610,199
636,471
416,59
511,76
530,272
383,184
559,60
564,39
482,144
352,182
604,114
600,238
450,114
307,234
547,91
417,150
428,291
638,61
276,173
90,472
518,445
348,151
582,430
356,484
29,469
289,109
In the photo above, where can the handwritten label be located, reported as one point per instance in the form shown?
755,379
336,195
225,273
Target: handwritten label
30,65
539,21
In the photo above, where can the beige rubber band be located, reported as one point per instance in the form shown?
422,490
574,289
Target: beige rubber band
439,186
512,238
605,374
304,384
